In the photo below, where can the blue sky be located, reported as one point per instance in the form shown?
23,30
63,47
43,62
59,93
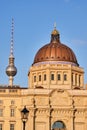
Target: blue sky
33,23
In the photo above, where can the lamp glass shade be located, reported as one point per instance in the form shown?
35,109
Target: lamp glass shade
24,113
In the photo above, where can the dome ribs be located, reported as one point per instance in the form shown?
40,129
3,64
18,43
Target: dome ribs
47,52
52,55
55,51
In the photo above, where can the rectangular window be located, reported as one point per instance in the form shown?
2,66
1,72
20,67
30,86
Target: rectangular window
52,76
59,77
1,112
44,77
79,80
39,77
34,78
11,126
65,77
72,77
0,126
76,79
12,111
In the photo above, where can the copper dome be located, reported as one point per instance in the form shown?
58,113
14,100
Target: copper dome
55,51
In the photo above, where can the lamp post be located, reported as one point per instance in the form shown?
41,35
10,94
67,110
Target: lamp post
24,115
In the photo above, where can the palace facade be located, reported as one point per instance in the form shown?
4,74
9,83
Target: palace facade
55,97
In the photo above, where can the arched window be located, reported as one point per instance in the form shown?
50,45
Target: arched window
44,77
58,125
39,77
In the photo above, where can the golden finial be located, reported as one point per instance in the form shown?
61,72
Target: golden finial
55,32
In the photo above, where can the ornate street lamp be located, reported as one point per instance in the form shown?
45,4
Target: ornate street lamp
24,115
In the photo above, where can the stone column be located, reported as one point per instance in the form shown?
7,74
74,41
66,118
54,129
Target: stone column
48,121
82,80
32,111
32,119
48,77
73,115
49,110
77,80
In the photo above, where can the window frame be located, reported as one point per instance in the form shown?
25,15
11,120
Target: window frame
39,78
12,112
58,77
52,76
1,126
34,78
12,126
65,77
45,77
